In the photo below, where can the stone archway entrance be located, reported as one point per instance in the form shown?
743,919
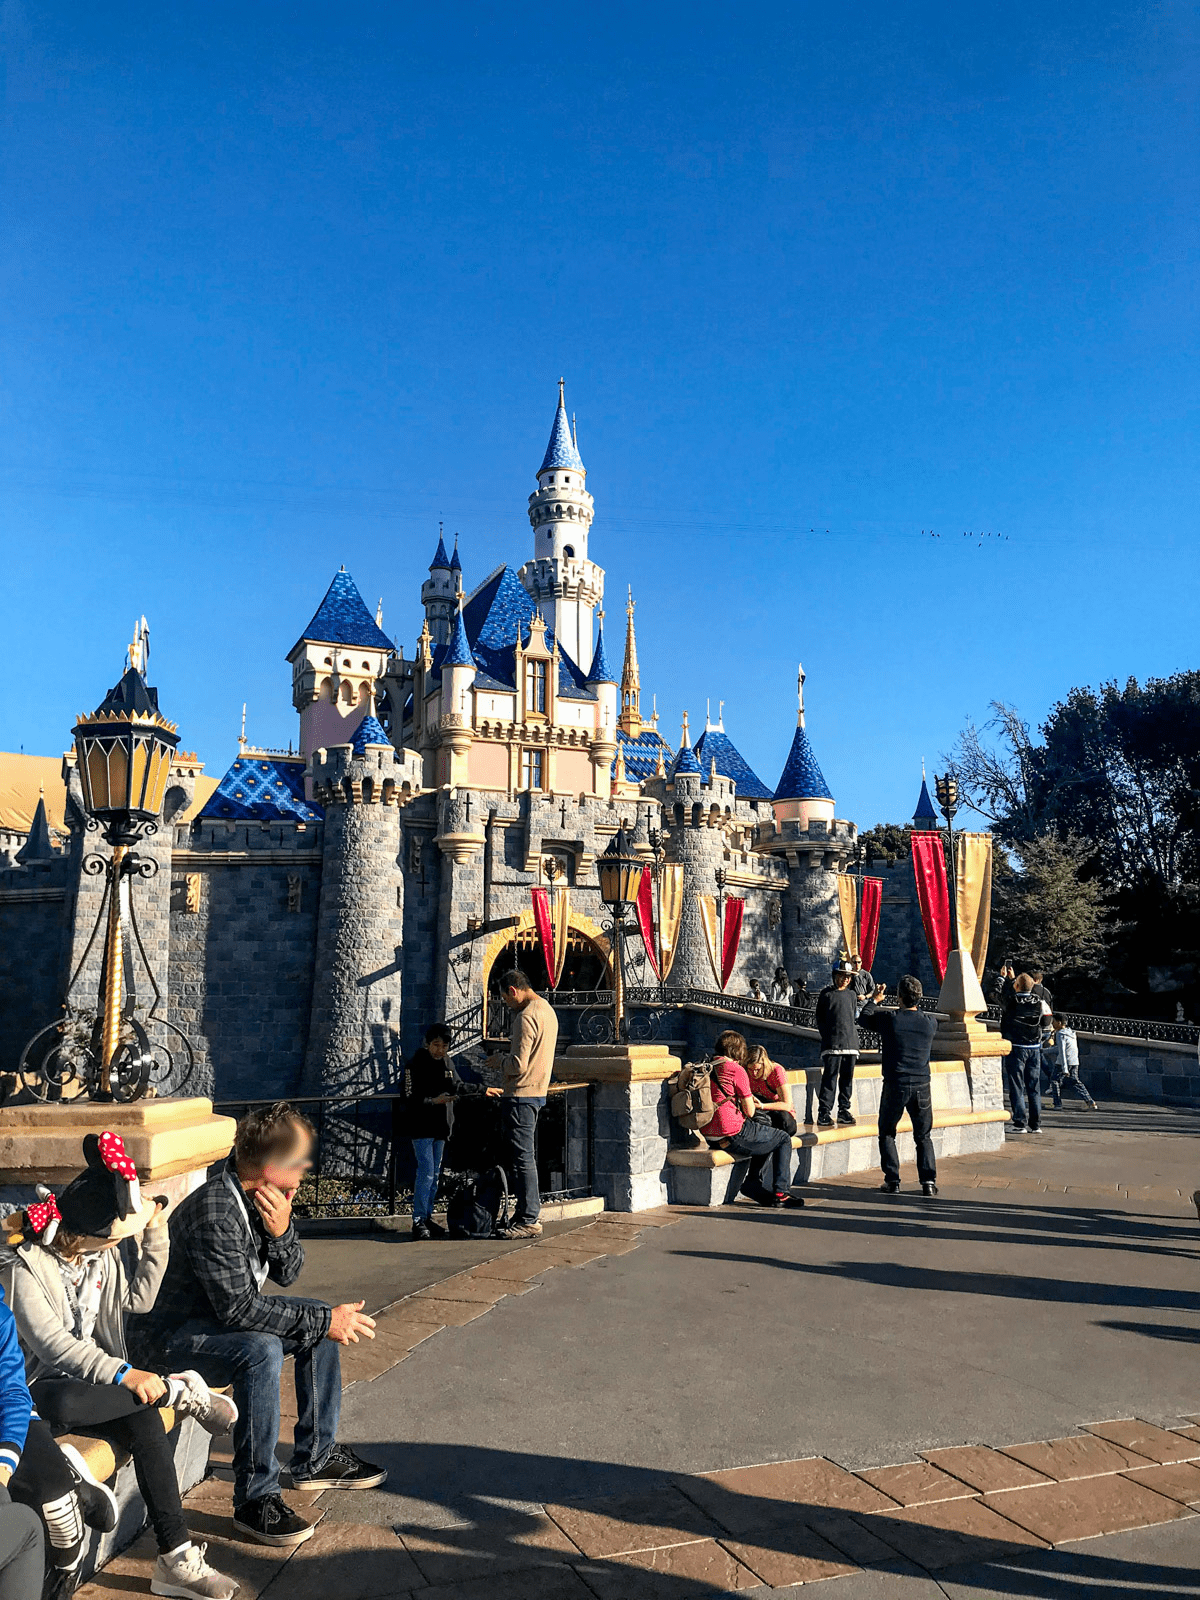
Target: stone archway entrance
586,965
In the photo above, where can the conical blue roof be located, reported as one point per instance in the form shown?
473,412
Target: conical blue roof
601,672
802,778
925,809
455,563
458,651
561,451
715,744
685,761
369,731
441,561
342,618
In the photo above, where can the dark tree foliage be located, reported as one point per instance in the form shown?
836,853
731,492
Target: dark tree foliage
1118,769
887,841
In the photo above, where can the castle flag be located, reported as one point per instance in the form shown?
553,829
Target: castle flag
933,895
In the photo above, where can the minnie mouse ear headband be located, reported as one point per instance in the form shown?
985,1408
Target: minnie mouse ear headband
105,1200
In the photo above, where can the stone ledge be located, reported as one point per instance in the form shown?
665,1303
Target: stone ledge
864,1129
164,1138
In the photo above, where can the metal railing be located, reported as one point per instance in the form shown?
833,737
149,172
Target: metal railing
363,1164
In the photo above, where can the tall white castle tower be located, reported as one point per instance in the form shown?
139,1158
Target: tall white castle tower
560,578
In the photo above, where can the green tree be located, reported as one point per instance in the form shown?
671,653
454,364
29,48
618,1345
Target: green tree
1047,912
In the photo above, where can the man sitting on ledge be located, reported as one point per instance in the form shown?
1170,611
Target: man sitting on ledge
227,1239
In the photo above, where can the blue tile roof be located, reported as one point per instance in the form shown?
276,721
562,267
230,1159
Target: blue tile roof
455,563
492,617
714,744
641,754
458,651
342,618
802,778
369,731
925,811
441,561
601,672
685,761
561,451
262,789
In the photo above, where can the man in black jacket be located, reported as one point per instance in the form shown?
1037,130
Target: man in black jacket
836,1019
1024,1018
429,1086
907,1037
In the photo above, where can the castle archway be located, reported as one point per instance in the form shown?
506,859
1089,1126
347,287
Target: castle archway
587,964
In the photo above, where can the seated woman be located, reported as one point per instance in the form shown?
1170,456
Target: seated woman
70,1297
733,1128
769,1086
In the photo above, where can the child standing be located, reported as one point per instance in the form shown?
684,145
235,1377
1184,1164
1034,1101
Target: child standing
70,1297
1061,1060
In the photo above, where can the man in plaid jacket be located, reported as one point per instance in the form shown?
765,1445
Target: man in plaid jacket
211,1315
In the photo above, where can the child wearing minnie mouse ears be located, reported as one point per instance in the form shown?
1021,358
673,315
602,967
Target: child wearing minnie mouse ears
70,1297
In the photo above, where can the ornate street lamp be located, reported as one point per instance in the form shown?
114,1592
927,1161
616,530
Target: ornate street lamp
123,756
947,797
620,879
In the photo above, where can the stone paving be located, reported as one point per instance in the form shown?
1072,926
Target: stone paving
537,1499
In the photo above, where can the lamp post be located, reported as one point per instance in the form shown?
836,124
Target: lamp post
947,798
658,850
620,879
123,755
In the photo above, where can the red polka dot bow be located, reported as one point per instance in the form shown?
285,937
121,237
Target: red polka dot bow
112,1153
42,1215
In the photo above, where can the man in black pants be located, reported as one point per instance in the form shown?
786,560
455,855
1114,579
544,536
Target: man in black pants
836,1020
907,1038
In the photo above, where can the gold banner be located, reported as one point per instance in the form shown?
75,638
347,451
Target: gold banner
560,921
669,912
973,891
848,906
710,917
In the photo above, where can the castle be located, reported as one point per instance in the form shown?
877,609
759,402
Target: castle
321,906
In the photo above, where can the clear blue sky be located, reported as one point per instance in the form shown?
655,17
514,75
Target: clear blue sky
284,284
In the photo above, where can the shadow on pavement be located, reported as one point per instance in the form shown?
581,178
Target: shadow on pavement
474,1519
1156,1330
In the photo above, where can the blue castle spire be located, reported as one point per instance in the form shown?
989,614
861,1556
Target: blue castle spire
802,778
458,651
561,451
441,561
455,563
600,671
925,818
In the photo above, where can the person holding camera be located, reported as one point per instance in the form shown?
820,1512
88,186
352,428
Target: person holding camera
906,1038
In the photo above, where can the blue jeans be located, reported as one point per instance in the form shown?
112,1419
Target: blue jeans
429,1165
1023,1067
518,1120
253,1364
770,1152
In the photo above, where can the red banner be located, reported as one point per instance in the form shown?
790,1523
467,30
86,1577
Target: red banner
868,928
645,916
929,870
545,926
732,937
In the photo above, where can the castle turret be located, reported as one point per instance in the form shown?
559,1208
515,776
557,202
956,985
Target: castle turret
560,579
439,592
631,681
925,817
336,666
458,675
353,1034
604,741
816,848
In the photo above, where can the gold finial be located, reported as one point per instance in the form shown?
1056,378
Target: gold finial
619,772
660,766
630,721
685,737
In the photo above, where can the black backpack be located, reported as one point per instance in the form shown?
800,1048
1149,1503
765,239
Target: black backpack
480,1206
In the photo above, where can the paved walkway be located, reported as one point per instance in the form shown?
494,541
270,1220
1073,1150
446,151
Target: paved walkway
591,1415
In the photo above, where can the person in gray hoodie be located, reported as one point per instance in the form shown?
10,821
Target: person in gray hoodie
70,1295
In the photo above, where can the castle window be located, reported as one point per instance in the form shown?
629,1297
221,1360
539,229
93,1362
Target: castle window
535,687
568,550
531,769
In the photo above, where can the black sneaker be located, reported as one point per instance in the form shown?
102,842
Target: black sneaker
825,1121
929,1189
793,1202
420,1230
889,1188
845,1120
97,1503
271,1520
437,1230
343,1470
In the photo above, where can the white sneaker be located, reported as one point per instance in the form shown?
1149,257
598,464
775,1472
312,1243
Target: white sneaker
216,1413
186,1575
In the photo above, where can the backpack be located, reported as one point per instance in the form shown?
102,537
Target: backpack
479,1207
692,1103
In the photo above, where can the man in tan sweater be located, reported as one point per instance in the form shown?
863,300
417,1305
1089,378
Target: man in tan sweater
526,1068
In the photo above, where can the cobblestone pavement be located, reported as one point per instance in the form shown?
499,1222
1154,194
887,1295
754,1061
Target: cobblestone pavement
686,1404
